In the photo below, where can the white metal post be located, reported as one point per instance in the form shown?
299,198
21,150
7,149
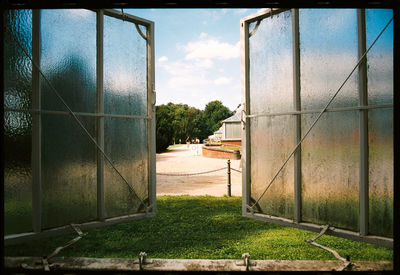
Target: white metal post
36,157
245,71
151,112
297,120
100,119
363,125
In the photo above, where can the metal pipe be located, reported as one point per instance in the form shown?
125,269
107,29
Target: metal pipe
297,118
229,177
100,119
36,158
363,125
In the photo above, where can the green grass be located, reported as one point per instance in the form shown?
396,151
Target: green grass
231,147
174,146
201,228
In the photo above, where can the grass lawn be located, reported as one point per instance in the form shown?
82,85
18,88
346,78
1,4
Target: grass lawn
231,147
174,146
201,228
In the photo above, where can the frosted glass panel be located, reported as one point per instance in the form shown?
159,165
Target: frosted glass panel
271,143
330,170
17,66
17,145
271,70
233,130
17,172
126,144
125,71
328,53
380,57
381,171
68,171
68,59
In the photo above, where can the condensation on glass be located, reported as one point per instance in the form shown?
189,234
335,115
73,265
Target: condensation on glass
380,123
68,60
126,144
330,165
125,78
330,155
271,141
17,124
330,170
125,93
328,53
69,165
271,67
271,77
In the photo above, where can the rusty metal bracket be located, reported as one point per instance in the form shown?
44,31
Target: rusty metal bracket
246,261
243,118
347,264
143,260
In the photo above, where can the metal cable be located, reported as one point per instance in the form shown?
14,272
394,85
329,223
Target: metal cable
73,115
190,174
320,114
236,170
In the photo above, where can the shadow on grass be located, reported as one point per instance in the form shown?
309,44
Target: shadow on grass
199,228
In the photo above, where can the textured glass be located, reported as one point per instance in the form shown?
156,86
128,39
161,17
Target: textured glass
380,57
330,170
328,53
271,69
17,145
68,59
381,171
126,145
233,130
125,69
68,171
271,143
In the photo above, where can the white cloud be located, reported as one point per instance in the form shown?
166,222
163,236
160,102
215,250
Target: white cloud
223,80
163,59
206,63
203,35
186,81
212,48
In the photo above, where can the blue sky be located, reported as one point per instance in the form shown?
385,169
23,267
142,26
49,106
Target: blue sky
197,54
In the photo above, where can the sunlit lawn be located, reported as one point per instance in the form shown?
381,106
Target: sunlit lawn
201,228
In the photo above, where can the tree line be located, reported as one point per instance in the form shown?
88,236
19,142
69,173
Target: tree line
175,123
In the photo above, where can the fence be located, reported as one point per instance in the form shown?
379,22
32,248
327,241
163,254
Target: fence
228,172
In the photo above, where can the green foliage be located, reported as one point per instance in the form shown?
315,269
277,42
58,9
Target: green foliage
201,228
177,122
214,113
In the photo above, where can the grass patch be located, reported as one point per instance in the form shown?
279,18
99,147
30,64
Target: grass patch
231,147
201,228
174,146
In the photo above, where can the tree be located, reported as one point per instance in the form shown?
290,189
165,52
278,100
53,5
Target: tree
176,122
214,113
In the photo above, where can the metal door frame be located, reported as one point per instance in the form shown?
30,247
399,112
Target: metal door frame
99,115
363,129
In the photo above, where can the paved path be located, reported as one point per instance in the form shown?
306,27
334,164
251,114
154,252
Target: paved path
187,160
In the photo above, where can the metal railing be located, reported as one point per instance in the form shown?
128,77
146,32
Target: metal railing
228,172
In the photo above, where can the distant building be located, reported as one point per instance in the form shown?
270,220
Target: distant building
231,129
216,137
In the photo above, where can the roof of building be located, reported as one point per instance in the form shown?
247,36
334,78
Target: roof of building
236,116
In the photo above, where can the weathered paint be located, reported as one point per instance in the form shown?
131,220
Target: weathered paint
118,264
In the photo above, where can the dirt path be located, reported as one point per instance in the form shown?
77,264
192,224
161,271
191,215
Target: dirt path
188,160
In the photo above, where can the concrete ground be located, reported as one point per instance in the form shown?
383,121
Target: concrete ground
185,159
